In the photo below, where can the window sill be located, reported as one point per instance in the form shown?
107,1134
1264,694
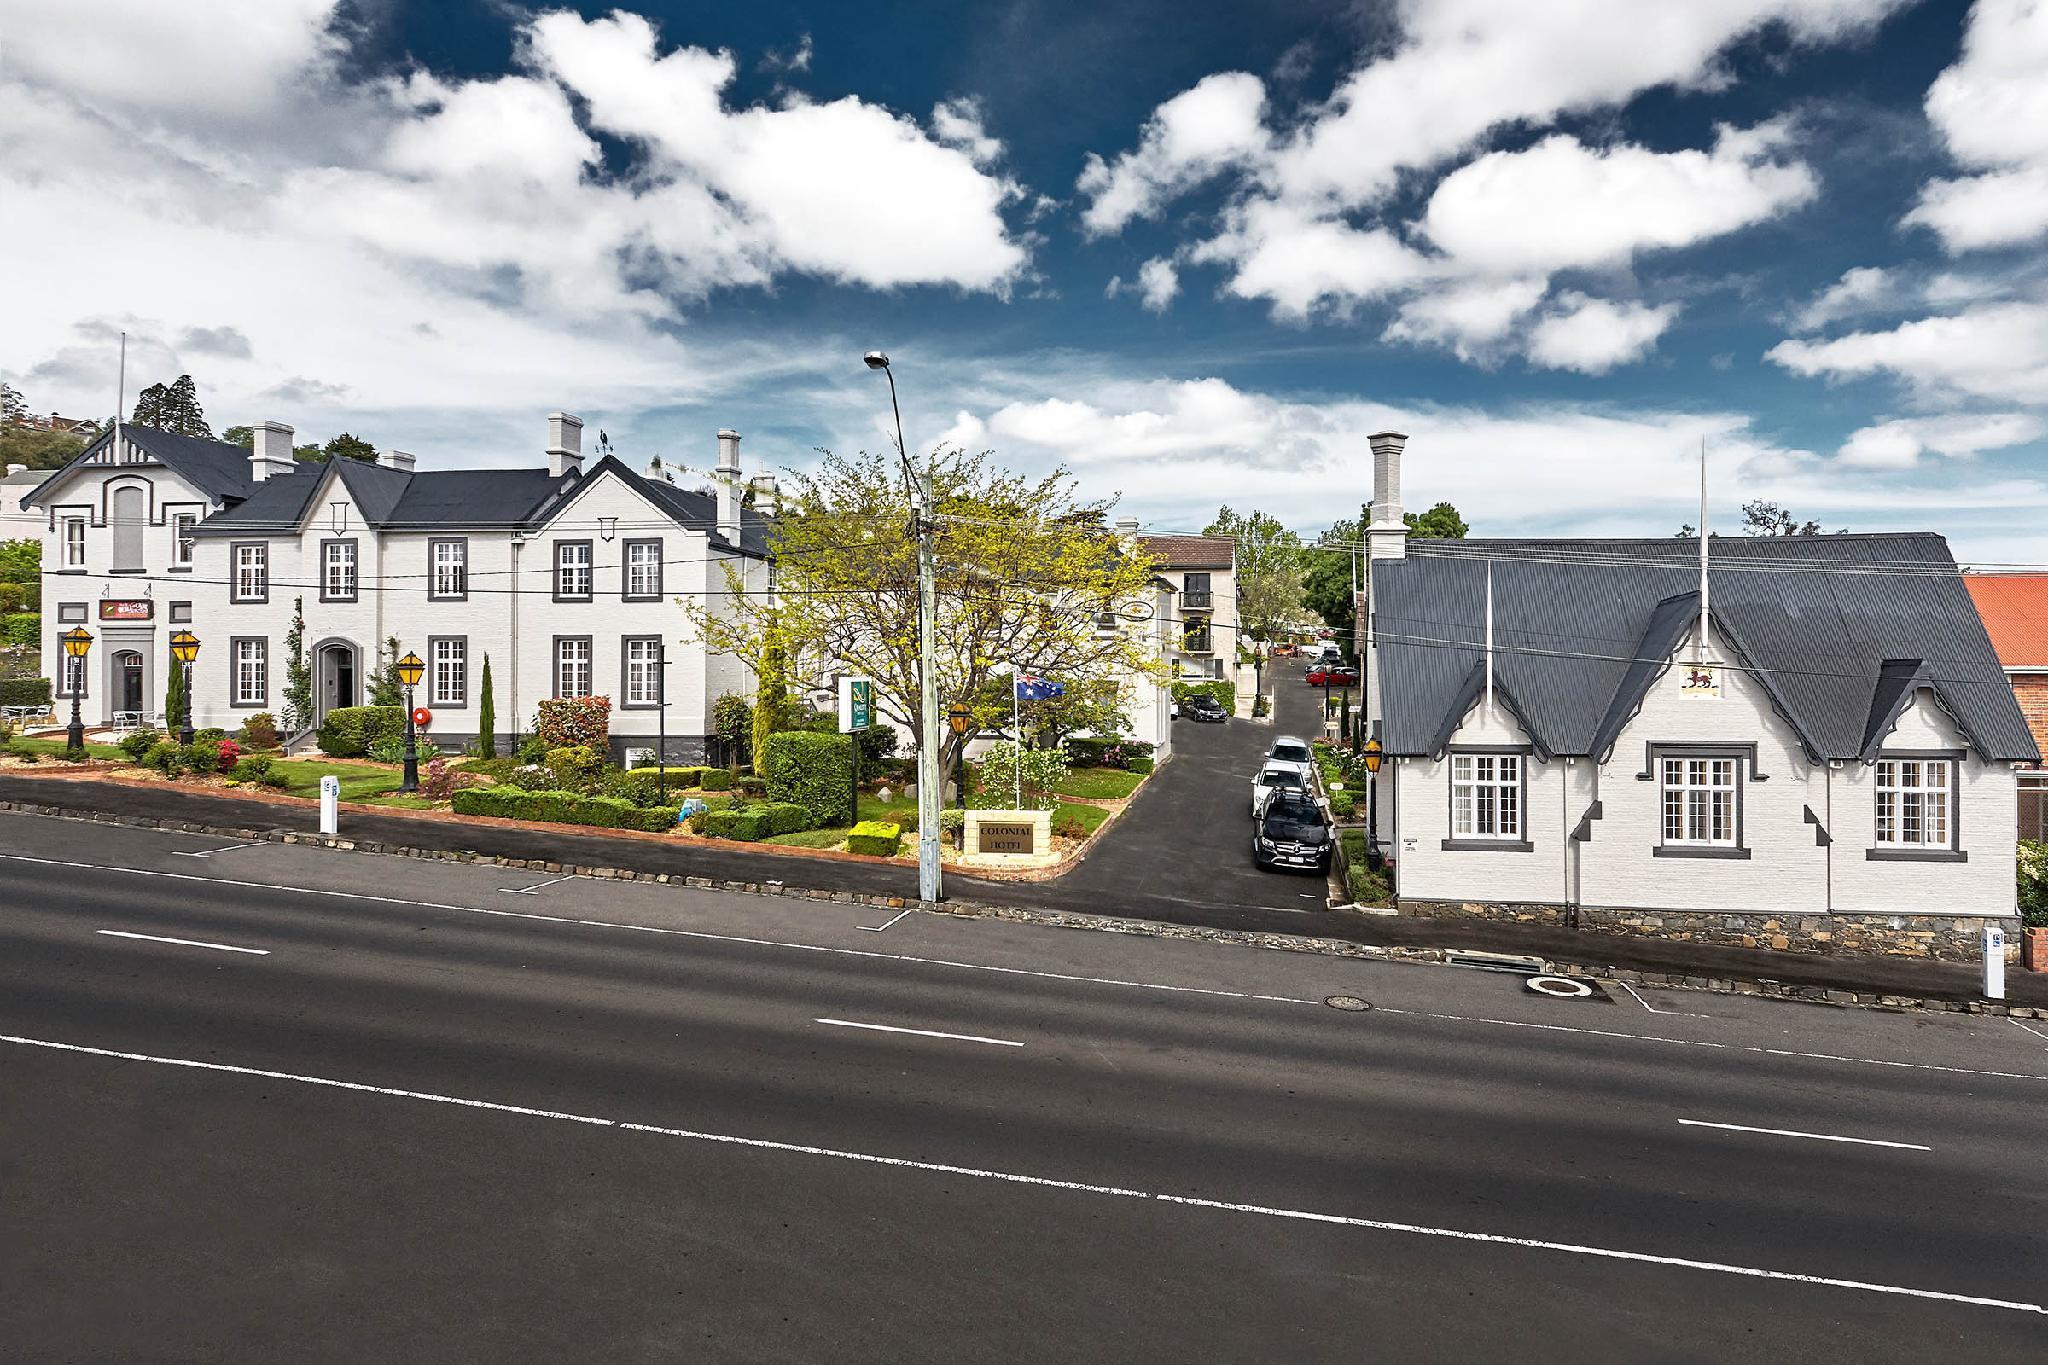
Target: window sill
1679,851
642,597
112,572
1488,846
1916,855
179,568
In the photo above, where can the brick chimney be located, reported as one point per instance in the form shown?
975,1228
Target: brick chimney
1386,536
727,483
270,456
565,444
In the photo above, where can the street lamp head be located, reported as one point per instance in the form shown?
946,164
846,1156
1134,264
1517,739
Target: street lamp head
875,360
76,641
411,670
184,646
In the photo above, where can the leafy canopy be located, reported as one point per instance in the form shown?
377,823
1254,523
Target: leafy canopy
1269,570
172,407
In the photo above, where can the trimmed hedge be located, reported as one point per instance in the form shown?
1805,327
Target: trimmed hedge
759,820
566,808
716,780
1225,693
349,731
1143,765
23,628
812,770
644,784
24,691
876,838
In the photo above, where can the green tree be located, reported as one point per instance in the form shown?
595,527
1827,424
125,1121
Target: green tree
773,711
39,449
487,717
172,407
1023,568
298,673
732,724
1268,578
244,437
175,700
385,688
1440,522
346,446
1329,572
12,408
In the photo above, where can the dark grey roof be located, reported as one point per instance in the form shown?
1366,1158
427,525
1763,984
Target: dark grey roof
484,498
1839,631
219,469
276,504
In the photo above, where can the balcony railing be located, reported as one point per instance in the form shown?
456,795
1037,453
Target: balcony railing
1197,600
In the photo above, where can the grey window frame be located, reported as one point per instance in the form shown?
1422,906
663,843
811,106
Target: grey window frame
82,608
434,593
235,548
433,678
1915,853
185,548
1743,756
67,667
589,594
589,644
175,619
65,526
235,643
355,579
625,701
1487,843
626,593
1188,626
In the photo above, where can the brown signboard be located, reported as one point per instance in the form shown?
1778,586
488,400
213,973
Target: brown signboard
1008,838
130,609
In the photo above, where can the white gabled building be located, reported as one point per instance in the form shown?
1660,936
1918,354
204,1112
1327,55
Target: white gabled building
567,578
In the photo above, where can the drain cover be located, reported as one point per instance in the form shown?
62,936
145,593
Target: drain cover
1347,1002
1560,987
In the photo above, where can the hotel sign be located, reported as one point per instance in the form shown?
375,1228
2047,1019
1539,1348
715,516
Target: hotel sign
1008,838
127,609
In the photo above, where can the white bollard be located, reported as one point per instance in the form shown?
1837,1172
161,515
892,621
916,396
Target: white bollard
1994,962
330,805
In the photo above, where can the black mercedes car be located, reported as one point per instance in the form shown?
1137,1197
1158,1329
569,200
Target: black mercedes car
1293,833
1202,706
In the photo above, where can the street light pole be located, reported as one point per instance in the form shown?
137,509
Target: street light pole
77,641
410,670
184,649
930,884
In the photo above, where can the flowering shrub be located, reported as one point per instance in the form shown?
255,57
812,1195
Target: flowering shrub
2033,883
442,782
1043,770
229,752
566,721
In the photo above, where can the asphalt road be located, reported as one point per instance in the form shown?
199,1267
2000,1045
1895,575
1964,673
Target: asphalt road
441,1112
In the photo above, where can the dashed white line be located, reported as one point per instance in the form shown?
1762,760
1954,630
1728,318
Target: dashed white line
920,1032
1793,1133
184,942
1081,1187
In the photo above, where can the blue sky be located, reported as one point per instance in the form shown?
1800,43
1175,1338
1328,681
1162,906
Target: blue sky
1196,252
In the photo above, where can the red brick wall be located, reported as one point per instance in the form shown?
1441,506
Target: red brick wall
2032,690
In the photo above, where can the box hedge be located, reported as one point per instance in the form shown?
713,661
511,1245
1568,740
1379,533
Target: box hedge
876,838
716,780
811,770
644,785
757,820
566,808
1225,693
24,691
349,731
1094,751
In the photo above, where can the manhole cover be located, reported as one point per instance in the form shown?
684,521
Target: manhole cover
1347,1002
1561,987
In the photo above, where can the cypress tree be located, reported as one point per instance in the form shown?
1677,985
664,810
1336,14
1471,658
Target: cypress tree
771,699
175,700
487,718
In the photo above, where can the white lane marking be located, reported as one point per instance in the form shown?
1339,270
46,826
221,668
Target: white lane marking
920,1032
878,928
537,887
1682,1014
1794,1133
184,942
1018,1178
915,960
2036,1032
208,853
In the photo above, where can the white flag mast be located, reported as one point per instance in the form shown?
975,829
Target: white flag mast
1703,553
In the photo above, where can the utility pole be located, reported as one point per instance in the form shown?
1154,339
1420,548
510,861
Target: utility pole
930,883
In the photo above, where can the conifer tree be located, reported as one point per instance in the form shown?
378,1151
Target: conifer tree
487,718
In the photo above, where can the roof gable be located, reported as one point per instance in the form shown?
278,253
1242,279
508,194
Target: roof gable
219,469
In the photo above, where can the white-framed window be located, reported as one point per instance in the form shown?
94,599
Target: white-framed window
1486,796
572,572
74,542
572,666
1915,802
643,568
448,672
181,538
1700,796
338,571
252,672
252,573
71,678
449,569
643,671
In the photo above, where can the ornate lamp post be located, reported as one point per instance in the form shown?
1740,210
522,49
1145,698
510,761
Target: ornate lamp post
410,671
185,648
958,718
77,642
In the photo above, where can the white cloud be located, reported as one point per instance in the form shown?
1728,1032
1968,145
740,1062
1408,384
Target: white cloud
1471,320
1991,108
958,123
1899,443
1192,137
1595,335
1301,263
1997,351
1158,282
1858,291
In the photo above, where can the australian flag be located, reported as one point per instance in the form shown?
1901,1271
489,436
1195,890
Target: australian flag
1038,689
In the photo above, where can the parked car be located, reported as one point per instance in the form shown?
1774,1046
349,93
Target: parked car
1202,706
1278,777
1293,752
1332,675
1293,832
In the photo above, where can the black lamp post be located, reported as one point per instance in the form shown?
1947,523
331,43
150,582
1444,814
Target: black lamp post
661,719
410,671
77,641
185,648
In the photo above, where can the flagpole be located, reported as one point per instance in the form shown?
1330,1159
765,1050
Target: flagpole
1017,732
1703,553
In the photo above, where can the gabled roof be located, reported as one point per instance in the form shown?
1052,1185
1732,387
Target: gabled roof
2014,607
1190,552
1582,628
219,469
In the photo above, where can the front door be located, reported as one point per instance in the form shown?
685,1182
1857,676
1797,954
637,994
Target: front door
128,680
340,685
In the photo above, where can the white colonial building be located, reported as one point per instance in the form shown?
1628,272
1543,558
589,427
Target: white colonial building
568,578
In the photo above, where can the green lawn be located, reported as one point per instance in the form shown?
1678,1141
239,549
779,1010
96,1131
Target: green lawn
1101,784
810,838
358,782
1091,817
57,746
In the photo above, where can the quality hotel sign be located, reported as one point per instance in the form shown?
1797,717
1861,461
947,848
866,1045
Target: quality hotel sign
119,609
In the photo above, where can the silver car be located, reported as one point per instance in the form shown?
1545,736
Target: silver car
1276,777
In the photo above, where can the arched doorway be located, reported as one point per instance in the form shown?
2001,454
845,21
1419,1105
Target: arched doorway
128,684
337,679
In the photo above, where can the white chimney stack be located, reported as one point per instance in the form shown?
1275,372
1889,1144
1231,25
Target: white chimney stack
565,444
727,483
14,469
767,494
1386,537
1127,528
395,459
270,457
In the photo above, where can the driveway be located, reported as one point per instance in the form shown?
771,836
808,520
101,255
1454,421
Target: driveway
1186,839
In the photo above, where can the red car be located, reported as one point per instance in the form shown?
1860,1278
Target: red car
1332,675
